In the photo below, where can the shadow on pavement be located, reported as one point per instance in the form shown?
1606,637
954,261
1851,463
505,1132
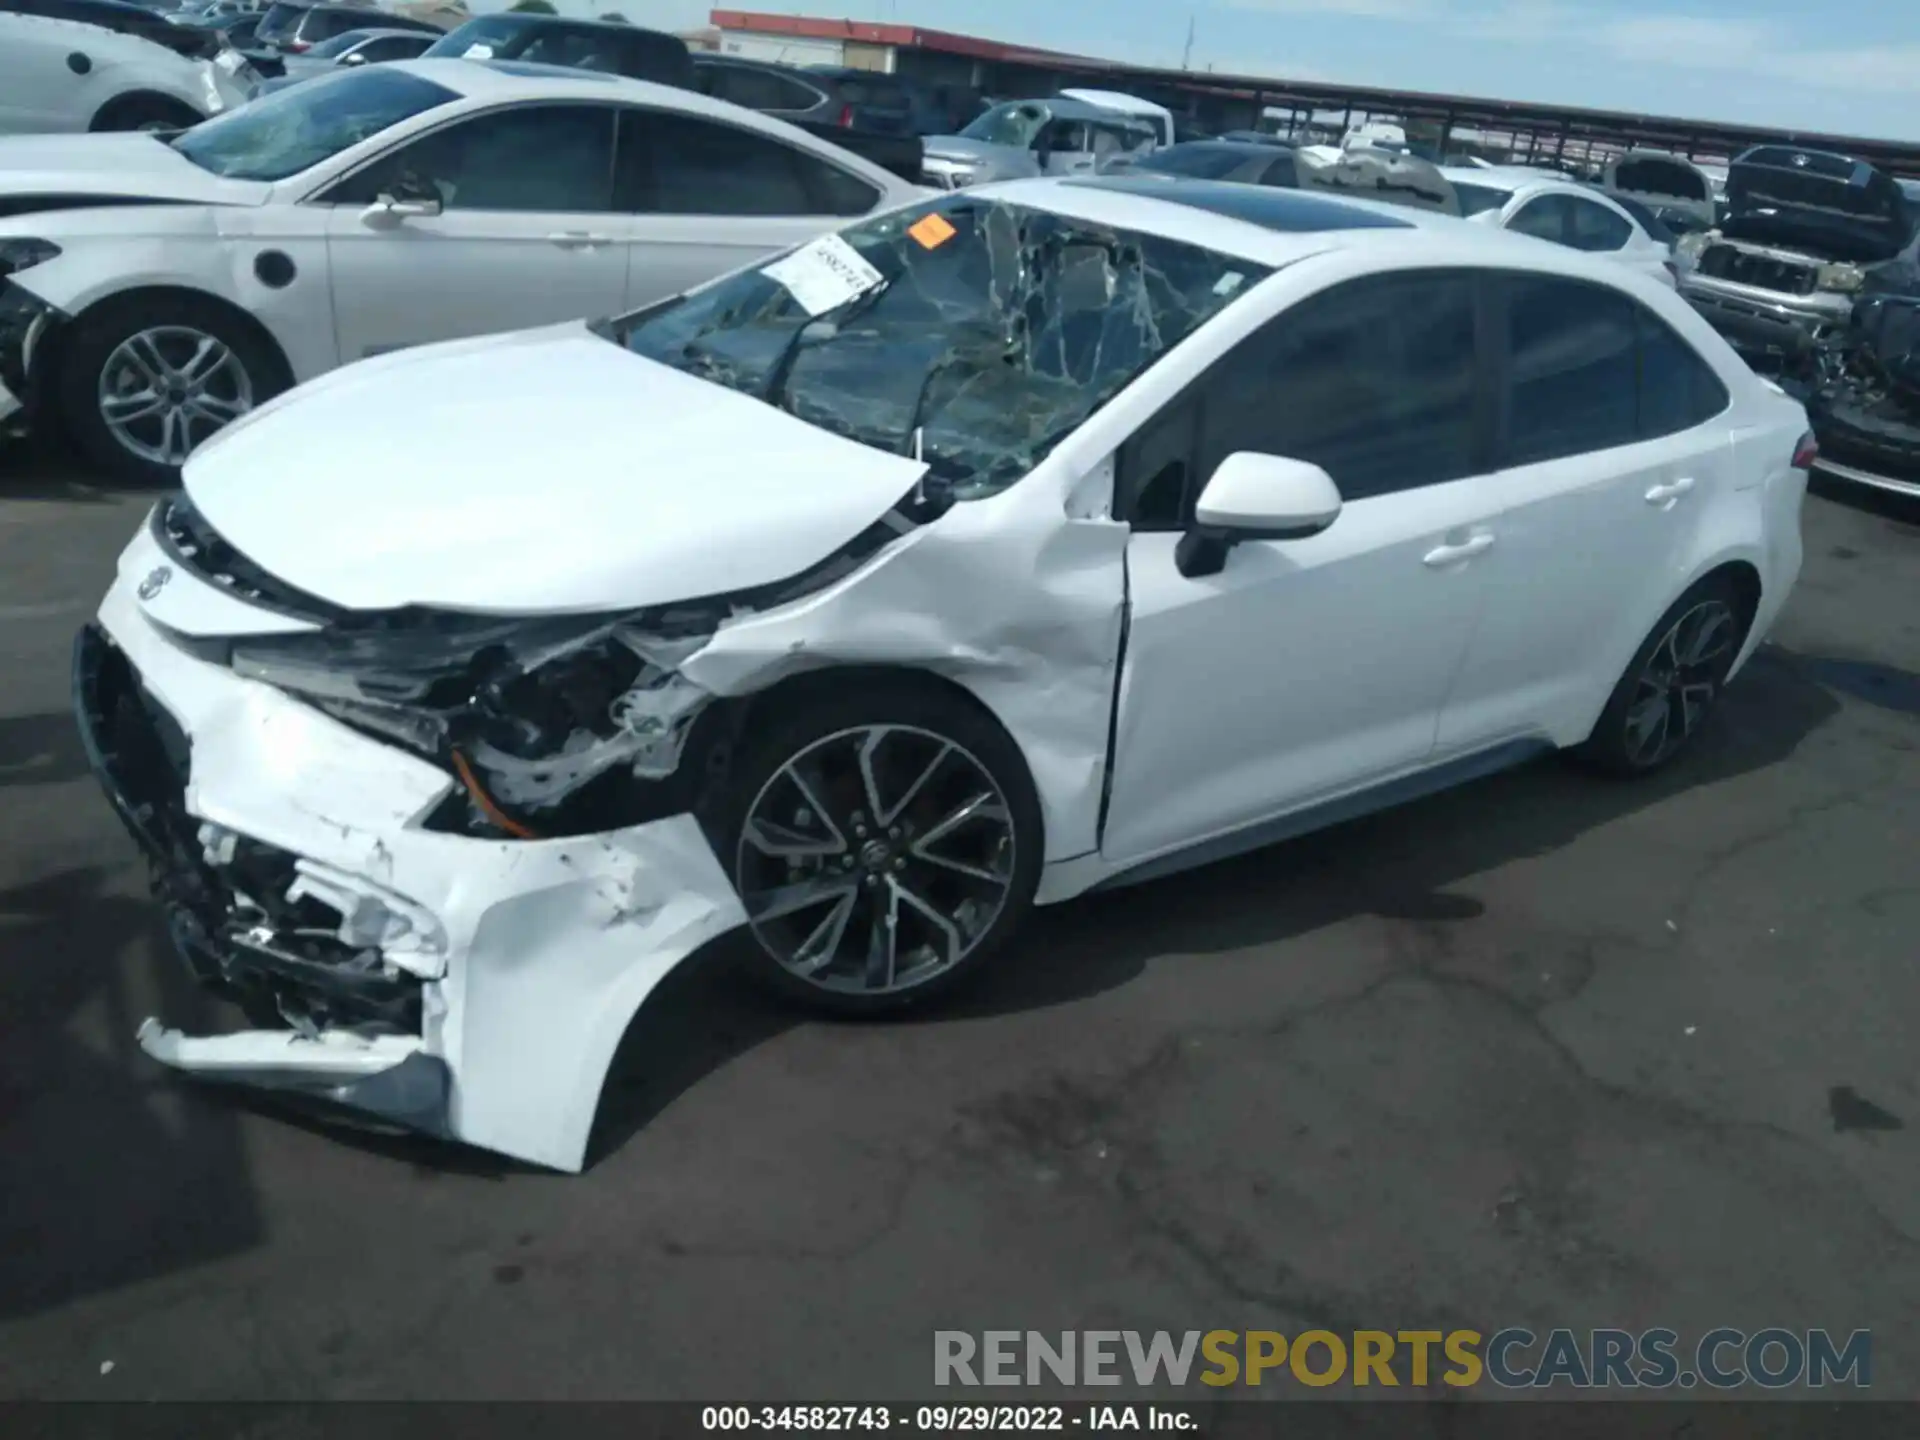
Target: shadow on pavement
108,1178
40,749
1395,864
38,469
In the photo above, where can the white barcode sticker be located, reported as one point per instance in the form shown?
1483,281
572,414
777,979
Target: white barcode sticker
824,274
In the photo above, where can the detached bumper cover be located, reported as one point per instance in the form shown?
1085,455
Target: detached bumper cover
474,989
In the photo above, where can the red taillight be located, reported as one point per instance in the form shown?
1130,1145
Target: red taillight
296,46
846,117
1806,452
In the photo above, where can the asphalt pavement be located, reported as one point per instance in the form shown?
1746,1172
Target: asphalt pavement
1544,1051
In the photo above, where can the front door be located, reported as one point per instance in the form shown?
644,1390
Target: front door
1307,668
525,234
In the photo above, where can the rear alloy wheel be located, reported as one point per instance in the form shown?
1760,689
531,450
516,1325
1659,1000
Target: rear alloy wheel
881,861
145,384
1672,684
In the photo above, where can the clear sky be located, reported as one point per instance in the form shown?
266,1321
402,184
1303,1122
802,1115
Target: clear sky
1849,68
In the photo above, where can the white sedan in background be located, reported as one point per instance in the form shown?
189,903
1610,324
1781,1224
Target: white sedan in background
62,76
1530,203
167,286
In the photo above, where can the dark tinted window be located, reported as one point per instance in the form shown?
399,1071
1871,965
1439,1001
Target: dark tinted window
1477,198
393,47
537,157
759,89
581,49
1544,217
684,166
1375,381
279,21
1655,227
1573,378
1678,389
1281,171
1205,162
339,44
1595,227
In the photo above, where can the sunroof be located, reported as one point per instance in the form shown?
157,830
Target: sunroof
1271,207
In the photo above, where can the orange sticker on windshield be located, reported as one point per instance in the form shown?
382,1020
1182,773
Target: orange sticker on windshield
931,230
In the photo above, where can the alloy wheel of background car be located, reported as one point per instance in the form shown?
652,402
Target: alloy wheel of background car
145,378
879,861
162,391
1674,680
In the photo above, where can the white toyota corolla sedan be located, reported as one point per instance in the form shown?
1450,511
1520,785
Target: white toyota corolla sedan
1033,539
153,289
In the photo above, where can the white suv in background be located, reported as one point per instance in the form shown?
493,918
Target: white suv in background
63,76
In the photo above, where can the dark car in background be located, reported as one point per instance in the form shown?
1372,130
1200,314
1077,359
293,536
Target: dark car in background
124,19
639,54
1803,233
611,47
1242,162
296,28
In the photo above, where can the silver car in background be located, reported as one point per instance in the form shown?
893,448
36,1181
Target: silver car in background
1021,139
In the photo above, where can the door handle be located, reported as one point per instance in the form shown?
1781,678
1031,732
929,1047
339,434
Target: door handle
578,239
1667,494
1454,554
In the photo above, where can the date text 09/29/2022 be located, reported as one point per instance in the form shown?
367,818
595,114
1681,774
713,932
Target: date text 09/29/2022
939,1419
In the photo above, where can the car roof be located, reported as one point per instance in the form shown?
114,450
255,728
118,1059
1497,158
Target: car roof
1274,226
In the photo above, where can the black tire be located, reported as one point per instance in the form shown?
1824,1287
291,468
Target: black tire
145,112
1619,744
99,333
1000,843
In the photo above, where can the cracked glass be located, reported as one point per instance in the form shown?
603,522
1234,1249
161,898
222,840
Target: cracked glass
994,331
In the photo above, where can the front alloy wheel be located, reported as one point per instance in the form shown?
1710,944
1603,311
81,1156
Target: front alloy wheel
876,859
883,841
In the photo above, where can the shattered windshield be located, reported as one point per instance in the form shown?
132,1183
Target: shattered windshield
971,332
1016,124
287,131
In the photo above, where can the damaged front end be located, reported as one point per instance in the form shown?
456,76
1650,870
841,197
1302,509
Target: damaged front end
1863,396
553,726
26,321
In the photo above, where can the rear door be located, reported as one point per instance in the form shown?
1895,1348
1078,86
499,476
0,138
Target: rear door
701,197
527,233
1608,459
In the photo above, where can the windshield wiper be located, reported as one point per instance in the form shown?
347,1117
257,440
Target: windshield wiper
774,392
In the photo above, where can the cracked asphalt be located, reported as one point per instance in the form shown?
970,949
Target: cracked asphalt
1545,1051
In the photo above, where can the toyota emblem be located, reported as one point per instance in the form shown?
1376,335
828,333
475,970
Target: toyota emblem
155,582
1802,161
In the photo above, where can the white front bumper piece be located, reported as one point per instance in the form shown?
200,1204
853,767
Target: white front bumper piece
472,989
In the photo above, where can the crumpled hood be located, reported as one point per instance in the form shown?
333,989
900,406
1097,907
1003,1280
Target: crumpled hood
110,166
998,162
1829,206
548,471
